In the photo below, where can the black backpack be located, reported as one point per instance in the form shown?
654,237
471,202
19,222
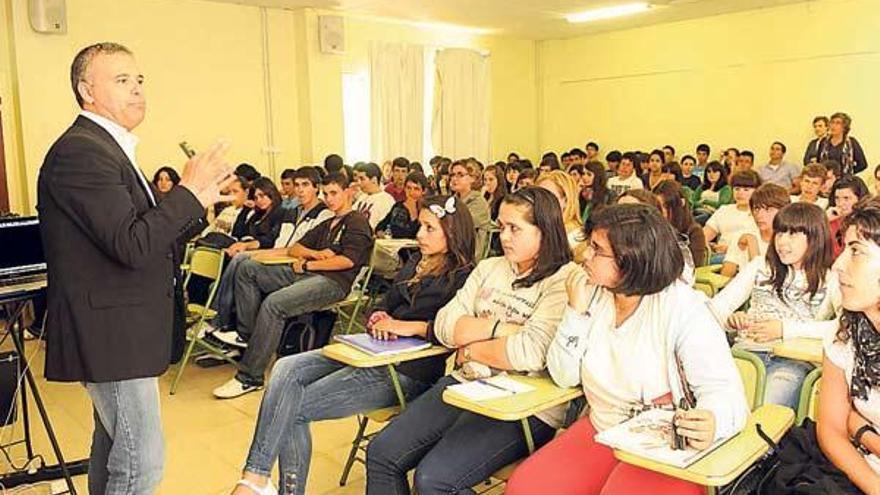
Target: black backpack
307,332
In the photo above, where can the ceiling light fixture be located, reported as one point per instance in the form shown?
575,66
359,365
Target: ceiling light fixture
608,12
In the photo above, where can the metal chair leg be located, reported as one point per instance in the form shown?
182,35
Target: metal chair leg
355,445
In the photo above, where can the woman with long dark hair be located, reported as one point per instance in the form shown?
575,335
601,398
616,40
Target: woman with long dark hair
494,188
309,387
849,393
502,319
262,227
790,293
676,209
594,189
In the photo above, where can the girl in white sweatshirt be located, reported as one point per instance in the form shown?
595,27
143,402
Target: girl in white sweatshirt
790,291
635,337
503,318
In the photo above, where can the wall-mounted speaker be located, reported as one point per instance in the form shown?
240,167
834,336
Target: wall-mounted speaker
48,16
331,34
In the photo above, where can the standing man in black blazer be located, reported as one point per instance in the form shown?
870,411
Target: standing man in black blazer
109,251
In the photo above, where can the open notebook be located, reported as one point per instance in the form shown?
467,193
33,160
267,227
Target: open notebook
490,388
648,435
366,343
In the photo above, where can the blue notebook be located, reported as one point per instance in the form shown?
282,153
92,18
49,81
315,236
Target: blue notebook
366,343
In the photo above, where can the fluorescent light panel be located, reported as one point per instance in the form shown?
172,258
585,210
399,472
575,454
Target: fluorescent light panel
608,12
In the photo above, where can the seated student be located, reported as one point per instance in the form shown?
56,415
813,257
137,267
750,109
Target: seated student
565,190
494,188
310,213
289,200
687,173
402,222
627,174
576,172
644,197
777,170
263,226
612,160
374,203
712,194
752,242
790,294
223,222
165,179
594,190
728,220
309,387
811,183
502,319
846,192
461,183
526,178
511,173
397,185
675,208
833,172
620,341
328,259
849,414
654,173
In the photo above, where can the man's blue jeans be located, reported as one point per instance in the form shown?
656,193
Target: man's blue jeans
128,451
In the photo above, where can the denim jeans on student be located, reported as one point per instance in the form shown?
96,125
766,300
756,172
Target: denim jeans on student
262,320
451,449
127,447
224,297
310,387
784,379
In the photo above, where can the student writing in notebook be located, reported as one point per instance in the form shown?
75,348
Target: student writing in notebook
634,337
502,319
310,387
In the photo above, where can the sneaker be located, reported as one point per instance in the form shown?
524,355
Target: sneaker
230,337
269,489
206,329
234,388
212,360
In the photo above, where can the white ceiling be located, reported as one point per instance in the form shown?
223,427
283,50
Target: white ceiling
531,19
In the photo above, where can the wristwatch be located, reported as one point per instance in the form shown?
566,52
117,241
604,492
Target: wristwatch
857,438
304,266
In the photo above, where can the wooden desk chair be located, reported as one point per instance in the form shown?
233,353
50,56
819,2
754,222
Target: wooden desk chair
206,263
808,405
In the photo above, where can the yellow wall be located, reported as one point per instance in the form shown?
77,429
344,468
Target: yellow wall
204,68
740,80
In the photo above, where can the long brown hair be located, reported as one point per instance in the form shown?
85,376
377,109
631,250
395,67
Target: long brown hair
807,219
460,235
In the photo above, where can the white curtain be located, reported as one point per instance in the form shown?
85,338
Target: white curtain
397,86
461,104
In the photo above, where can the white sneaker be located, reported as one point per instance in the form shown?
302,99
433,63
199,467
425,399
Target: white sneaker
206,329
230,337
269,489
234,388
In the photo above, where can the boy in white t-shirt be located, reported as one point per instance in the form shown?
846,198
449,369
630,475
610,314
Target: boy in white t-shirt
765,203
375,203
627,175
812,179
728,221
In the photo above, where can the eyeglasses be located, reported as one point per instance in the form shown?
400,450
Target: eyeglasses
460,175
594,250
